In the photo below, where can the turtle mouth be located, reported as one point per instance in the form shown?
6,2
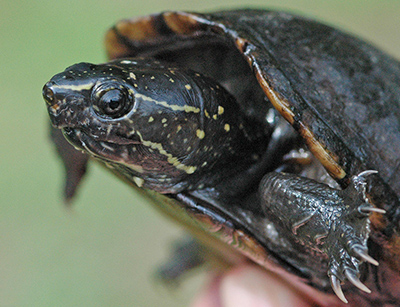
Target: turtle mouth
107,148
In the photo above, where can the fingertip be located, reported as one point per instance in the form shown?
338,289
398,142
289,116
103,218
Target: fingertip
250,286
209,295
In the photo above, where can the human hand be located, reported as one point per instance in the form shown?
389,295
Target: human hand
248,285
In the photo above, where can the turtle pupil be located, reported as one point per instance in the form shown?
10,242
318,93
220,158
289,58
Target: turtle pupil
113,103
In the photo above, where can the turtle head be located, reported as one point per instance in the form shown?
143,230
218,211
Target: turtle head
90,104
73,95
162,127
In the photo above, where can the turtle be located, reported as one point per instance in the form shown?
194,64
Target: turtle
270,136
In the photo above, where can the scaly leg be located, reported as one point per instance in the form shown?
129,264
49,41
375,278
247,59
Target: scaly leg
335,222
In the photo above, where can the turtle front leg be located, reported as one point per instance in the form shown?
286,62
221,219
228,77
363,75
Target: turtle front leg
335,222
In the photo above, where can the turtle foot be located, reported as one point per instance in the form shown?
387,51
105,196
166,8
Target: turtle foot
326,220
346,243
347,268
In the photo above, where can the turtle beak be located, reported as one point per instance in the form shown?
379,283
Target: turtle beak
66,108
54,105
48,93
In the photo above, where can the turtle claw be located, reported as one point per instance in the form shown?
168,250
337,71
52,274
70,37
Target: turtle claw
346,267
351,275
347,239
369,210
353,278
367,173
335,283
362,254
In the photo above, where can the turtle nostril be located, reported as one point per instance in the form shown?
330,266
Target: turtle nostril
48,93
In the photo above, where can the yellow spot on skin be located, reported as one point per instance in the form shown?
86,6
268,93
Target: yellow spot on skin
188,87
151,119
200,134
130,121
152,77
132,75
220,110
215,116
191,169
135,85
164,120
139,181
178,128
206,114
227,127
136,168
171,80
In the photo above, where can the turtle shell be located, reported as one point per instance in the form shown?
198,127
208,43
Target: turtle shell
339,92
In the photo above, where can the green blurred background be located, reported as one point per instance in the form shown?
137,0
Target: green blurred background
104,251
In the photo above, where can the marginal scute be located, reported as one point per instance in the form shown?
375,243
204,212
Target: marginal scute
279,103
136,29
241,44
328,159
251,247
234,237
143,29
181,23
113,47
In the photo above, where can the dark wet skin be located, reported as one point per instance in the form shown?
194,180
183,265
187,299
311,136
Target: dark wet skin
181,134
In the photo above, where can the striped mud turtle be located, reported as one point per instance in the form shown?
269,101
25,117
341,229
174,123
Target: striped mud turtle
267,134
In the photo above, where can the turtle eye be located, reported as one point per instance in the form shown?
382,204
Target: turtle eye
112,102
